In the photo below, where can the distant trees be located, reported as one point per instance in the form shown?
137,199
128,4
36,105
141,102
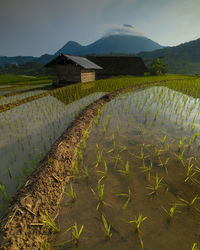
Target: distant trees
158,67
29,68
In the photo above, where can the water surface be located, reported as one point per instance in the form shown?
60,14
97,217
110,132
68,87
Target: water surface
155,132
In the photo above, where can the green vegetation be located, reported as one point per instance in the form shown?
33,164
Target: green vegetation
150,136
76,233
49,221
70,192
28,68
158,67
138,221
171,212
106,228
8,79
181,59
145,138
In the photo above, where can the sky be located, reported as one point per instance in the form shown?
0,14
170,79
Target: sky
36,27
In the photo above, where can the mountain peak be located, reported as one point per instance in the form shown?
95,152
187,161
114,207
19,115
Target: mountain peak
71,48
118,43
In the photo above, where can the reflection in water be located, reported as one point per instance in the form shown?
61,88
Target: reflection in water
6,100
27,133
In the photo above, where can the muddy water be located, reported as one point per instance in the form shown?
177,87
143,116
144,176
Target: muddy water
27,133
142,129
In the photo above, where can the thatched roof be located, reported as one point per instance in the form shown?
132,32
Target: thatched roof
78,60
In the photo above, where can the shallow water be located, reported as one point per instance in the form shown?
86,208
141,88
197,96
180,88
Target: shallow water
5,86
9,99
27,133
156,131
19,88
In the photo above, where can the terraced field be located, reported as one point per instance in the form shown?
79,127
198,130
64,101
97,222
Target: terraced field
138,165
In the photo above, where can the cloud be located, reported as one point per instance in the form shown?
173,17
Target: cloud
128,25
125,29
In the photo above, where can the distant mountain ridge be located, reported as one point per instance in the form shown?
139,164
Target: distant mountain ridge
183,59
24,59
125,44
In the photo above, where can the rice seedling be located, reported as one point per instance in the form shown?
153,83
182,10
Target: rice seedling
103,172
85,171
84,142
4,193
75,233
183,139
191,141
86,134
190,173
75,170
171,212
138,221
195,246
147,170
106,228
186,203
142,129
97,117
158,184
117,127
114,144
127,169
49,221
80,155
163,164
107,120
100,193
104,127
164,139
99,155
125,195
117,159
155,115
113,137
45,246
70,192
123,148
9,173
142,156
158,151
196,135
180,157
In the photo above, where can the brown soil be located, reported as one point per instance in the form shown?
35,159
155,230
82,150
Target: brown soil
21,227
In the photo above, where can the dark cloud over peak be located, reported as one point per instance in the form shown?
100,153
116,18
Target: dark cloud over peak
128,25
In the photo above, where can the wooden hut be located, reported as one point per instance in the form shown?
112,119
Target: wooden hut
68,69
118,65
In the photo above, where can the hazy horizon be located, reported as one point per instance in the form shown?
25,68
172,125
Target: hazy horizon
33,28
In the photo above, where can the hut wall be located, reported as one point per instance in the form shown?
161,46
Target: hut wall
65,74
87,75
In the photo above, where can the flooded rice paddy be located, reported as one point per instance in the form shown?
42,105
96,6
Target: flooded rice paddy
5,86
6,89
27,133
136,181
9,99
